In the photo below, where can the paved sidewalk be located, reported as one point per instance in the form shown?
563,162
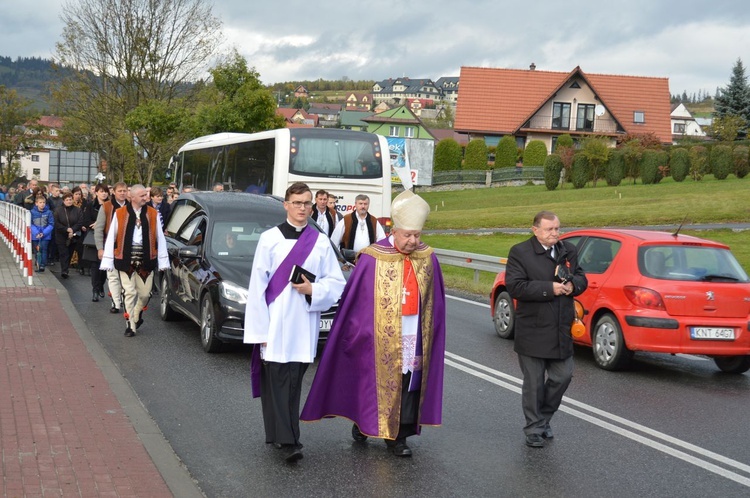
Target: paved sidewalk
70,424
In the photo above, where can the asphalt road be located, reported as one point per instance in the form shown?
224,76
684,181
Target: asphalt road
669,426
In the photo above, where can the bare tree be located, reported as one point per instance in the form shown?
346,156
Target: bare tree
129,53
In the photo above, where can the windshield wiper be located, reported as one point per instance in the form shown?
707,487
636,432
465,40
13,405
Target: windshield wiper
711,278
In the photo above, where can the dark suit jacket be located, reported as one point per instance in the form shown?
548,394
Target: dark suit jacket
542,320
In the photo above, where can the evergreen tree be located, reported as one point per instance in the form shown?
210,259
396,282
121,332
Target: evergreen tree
734,100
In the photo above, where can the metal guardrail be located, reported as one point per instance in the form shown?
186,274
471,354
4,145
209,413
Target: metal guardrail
476,262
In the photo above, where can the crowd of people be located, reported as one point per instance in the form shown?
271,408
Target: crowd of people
382,367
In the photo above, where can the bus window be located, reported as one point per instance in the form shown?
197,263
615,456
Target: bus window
319,156
250,166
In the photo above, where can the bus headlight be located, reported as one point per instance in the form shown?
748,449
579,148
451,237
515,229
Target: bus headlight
233,292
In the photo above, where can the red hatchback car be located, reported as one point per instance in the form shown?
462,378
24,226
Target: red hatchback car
654,291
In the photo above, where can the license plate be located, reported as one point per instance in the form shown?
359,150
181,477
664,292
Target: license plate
712,333
325,324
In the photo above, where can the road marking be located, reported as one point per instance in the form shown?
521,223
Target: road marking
513,384
468,301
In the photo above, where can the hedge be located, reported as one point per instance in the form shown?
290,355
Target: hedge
553,165
721,161
679,164
580,171
476,155
614,171
698,162
741,161
506,152
535,153
649,167
447,155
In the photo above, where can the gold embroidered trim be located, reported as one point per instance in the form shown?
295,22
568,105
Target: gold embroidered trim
389,274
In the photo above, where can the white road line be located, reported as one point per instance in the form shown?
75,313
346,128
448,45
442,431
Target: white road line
467,301
477,370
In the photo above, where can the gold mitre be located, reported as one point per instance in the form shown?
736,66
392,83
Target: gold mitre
409,211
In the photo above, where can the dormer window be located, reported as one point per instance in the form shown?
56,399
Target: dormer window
639,117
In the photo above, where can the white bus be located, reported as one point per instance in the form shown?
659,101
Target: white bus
343,162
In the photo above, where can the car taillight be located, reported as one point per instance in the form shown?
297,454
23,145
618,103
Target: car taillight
644,298
386,223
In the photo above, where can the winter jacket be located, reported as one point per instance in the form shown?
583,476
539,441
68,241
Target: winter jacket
42,222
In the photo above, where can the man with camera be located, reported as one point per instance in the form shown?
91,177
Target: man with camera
543,276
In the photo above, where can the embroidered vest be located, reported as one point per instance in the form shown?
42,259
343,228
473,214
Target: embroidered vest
350,227
124,239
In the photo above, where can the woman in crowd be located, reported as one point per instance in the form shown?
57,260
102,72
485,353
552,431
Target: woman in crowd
80,201
68,223
98,277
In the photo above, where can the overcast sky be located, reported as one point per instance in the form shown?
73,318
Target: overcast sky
693,43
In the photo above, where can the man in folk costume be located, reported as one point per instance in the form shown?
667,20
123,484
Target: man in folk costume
383,363
135,247
282,318
324,216
101,229
359,228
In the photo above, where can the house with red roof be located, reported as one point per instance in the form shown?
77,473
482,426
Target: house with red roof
530,104
297,118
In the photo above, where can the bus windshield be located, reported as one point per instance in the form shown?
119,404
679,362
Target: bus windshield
334,156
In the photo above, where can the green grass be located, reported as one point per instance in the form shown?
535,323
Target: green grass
707,201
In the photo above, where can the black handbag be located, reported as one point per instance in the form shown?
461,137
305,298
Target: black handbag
90,253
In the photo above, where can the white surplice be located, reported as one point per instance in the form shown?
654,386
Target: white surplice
289,325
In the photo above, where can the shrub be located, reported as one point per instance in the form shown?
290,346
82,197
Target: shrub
662,161
476,155
649,167
597,152
721,161
564,140
447,155
741,161
680,164
506,152
615,169
553,165
698,162
535,153
580,171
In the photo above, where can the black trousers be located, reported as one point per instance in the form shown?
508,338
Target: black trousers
64,253
540,397
280,392
98,277
409,409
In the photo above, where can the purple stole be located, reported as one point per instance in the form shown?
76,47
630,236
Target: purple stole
280,279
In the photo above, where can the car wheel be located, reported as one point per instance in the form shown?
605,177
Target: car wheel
505,316
165,310
733,364
608,343
209,341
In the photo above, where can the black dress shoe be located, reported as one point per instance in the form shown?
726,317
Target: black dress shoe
114,310
534,440
400,448
292,452
547,434
357,435
64,274
129,332
139,323
95,297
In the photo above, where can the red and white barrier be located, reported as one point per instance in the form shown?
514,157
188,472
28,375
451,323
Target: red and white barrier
15,229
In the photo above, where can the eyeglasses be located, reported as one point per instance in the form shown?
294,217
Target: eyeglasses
300,204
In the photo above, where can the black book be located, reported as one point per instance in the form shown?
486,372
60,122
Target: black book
296,275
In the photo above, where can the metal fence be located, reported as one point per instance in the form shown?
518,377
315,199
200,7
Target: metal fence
488,177
476,262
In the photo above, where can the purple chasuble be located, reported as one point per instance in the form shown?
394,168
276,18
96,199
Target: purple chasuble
345,383
280,279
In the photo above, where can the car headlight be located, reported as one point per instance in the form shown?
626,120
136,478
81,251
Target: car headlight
233,292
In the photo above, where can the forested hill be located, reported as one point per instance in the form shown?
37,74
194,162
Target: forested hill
30,77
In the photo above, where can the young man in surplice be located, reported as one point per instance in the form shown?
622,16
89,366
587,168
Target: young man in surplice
282,318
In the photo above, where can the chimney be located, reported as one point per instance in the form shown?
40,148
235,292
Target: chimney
532,66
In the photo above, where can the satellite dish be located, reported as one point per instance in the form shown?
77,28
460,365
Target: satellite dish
599,110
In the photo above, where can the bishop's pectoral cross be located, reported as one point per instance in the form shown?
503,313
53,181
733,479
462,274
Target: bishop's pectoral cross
404,293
